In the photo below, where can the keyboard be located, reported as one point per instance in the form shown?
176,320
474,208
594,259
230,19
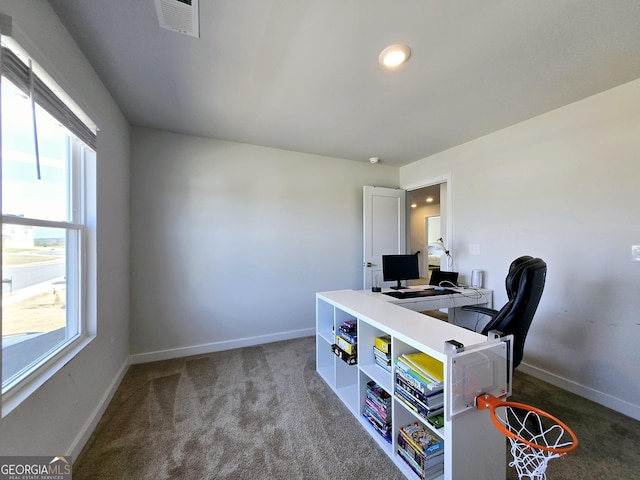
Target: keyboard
420,293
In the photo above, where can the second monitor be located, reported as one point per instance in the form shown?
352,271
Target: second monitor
398,267
443,279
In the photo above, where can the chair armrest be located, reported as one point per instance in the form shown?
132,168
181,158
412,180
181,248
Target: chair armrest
483,310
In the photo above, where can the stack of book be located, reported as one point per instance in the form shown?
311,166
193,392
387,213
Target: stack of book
346,346
422,450
377,409
419,385
382,352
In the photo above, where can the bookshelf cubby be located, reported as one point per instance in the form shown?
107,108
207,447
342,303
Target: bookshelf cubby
473,447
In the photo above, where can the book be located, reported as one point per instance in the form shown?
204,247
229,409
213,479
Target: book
403,393
350,348
349,359
416,407
410,376
421,450
350,326
434,472
426,474
384,365
433,399
378,401
419,458
348,336
384,430
381,358
415,466
377,409
437,420
426,365
415,379
379,353
375,390
421,439
381,415
375,416
383,343
428,397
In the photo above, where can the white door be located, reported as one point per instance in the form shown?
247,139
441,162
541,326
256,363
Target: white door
384,230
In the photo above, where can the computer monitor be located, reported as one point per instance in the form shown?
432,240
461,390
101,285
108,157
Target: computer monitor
396,268
443,279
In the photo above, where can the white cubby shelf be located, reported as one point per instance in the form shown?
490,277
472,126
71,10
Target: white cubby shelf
474,448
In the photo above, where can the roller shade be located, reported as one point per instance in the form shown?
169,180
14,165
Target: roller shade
18,73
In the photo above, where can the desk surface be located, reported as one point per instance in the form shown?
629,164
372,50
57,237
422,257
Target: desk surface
461,297
411,327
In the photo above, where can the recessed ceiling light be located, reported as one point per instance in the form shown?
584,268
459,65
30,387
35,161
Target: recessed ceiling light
429,199
414,205
394,55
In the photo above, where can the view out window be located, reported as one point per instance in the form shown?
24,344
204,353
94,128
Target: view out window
43,197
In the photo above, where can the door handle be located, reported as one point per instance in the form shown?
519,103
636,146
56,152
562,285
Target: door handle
368,264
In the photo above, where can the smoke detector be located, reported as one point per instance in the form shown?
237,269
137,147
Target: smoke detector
374,160
180,16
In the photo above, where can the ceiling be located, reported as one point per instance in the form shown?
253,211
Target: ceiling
304,75
419,197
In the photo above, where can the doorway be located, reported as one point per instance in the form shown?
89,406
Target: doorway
433,233
426,224
397,229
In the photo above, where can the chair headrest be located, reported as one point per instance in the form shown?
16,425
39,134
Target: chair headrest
515,272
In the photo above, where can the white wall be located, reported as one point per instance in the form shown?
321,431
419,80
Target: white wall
564,187
58,418
230,242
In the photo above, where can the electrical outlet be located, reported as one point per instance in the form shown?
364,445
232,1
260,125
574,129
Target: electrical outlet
635,253
474,249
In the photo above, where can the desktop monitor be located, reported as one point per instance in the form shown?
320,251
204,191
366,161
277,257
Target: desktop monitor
399,267
443,279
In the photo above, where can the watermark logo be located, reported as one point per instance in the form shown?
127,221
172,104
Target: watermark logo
35,468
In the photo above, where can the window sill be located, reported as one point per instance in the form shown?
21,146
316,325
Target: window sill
20,392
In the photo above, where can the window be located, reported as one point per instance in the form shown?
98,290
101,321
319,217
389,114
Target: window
45,148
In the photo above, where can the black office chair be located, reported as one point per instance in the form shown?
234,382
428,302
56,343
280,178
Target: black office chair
524,284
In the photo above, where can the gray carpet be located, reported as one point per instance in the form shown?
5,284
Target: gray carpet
263,413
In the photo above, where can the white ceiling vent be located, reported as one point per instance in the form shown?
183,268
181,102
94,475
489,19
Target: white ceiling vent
179,15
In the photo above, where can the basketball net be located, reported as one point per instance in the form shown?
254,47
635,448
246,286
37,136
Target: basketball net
535,436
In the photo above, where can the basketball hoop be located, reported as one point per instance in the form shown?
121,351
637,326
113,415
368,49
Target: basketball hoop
536,436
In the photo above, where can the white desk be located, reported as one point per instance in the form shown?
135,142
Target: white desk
474,448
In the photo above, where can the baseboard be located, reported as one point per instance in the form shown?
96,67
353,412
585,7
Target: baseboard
91,423
604,399
219,346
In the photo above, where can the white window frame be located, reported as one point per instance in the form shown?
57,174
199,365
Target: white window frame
80,259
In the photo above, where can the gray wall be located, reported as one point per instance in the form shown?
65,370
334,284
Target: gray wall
230,241
58,417
564,187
